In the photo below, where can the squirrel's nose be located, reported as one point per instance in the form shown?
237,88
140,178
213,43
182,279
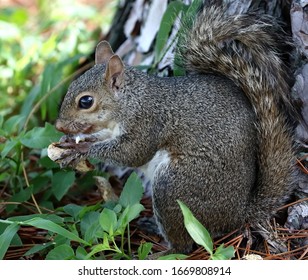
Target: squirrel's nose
60,126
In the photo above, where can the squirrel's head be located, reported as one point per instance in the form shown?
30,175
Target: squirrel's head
91,99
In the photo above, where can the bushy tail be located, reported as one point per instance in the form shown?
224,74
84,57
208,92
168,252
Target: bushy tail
244,48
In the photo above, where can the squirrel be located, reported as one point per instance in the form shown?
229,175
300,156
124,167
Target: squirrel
217,139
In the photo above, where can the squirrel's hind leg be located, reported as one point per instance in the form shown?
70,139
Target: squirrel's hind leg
167,188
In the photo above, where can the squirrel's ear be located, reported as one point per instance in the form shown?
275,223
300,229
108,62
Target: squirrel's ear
114,72
103,52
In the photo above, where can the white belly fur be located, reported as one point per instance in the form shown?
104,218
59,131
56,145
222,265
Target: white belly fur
160,160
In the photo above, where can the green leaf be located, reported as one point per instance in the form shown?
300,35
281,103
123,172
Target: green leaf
223,253
190,14
46,84
130,213
61,182
41,137
16,241
59,240
93,232
73,210
106,241
47,163
6,238
81,253
98,248
88,221
117,208
134,212
166,24
144,250
178,70
51,217
49,45
173,257
108,220
9,146
53,227
38,248
61,252
41,182
15,15
196,230
89,209
22,196
132,191
90,227
28,103
11,125
1,120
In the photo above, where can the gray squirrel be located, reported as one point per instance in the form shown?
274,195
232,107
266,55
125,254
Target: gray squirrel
217,139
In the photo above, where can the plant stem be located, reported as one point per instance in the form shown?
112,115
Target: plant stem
128,241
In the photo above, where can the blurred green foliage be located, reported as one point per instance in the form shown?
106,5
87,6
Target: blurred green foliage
40,50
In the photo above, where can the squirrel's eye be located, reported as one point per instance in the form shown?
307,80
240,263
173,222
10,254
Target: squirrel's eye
85,102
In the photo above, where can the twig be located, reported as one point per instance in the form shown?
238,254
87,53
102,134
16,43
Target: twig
27,182
304,254
292,203
302,166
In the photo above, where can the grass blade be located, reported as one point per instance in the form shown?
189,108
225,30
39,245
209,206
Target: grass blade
196,230
166,24
53,227
6,238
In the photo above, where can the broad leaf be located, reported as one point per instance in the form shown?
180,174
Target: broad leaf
61,252
144,250
130,213
12,124
81,253
8,146
41,137
132,191
98,248
73,210
108,220
61,182
223,253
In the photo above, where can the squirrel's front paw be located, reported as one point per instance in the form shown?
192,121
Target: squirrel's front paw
70,154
